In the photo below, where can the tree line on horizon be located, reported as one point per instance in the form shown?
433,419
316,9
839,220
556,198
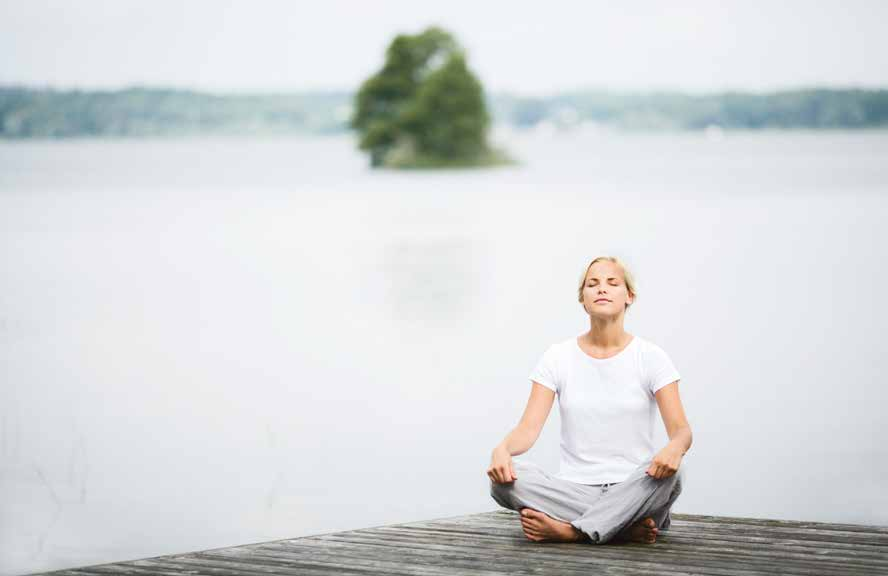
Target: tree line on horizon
27,112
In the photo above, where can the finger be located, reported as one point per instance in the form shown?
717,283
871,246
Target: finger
512,471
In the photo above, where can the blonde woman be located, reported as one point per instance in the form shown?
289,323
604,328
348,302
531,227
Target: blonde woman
611,485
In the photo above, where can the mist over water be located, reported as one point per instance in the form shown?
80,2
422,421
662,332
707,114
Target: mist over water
208,343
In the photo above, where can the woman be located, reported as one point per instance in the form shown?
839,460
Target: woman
610,486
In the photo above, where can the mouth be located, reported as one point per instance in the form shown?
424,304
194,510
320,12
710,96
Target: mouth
601,300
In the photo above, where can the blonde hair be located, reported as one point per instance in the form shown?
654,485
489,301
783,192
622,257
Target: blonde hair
627,275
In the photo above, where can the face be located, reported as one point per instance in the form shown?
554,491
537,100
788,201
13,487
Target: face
605,292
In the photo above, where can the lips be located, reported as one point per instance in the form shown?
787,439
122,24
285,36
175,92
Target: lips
602,300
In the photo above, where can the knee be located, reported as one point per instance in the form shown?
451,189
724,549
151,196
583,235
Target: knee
527,475
502,493
672,484
523,471
679,479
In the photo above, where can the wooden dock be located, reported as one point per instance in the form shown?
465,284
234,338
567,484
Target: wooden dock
492,543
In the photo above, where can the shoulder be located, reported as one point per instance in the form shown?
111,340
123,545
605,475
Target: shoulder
560,350
564,347
646,345
651,352
560,345
657,366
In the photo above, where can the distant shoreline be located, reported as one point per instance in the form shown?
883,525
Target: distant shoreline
284,136
140,112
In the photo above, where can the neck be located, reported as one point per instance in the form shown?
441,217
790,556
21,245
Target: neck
606,332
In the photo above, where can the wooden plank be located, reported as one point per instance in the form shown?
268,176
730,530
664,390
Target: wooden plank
565,561
701,518
686,532
492,544
830,531
700,541
825,545
632,553
493,565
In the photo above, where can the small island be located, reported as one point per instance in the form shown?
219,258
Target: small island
424,108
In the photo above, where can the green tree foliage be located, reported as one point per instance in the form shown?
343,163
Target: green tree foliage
448,116
424,107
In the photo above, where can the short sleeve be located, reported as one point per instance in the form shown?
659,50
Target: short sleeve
546,370
660,369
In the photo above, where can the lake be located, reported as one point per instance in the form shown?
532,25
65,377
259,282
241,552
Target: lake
215,342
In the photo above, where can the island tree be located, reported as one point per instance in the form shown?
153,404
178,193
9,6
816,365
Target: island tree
424,107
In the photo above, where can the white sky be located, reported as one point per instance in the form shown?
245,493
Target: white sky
524,47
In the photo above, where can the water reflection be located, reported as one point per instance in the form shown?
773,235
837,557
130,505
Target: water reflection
429,280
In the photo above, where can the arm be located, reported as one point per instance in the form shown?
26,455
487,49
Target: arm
525,434
667,461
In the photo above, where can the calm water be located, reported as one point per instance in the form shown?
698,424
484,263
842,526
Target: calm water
208,343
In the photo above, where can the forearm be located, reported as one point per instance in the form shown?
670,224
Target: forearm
518,441
681,440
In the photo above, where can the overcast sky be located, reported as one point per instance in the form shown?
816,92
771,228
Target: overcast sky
526,47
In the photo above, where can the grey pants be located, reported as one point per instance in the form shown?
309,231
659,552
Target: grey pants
601,511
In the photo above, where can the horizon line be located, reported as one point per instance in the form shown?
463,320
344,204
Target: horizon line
519,93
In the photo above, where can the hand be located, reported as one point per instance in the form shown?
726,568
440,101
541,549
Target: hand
665,463
501,469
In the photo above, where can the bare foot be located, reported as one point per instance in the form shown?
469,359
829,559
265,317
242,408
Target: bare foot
644,531
541,527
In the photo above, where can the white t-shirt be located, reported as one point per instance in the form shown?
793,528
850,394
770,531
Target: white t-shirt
607,405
